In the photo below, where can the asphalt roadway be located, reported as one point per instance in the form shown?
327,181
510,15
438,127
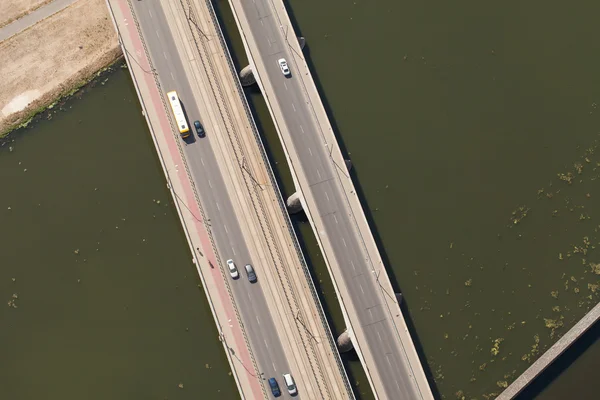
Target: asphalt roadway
317,165
250,299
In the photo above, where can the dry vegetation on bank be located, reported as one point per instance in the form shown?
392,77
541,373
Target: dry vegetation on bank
52,57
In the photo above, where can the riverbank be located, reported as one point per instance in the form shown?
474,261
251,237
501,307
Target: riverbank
52,58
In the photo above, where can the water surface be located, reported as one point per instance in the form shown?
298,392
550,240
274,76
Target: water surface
473,131
101,298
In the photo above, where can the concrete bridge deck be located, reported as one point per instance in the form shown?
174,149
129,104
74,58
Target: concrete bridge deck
371,311
551,354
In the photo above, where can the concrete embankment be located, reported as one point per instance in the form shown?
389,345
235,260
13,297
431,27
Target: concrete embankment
52,57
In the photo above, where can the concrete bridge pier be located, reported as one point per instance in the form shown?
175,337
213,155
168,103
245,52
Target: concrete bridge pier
294,204
247,76
344,342
399,298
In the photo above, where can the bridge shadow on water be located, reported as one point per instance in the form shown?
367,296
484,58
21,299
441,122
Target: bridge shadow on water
561,364
354,173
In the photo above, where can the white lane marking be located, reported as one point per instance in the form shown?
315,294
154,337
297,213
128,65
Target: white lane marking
234,253
390,363
285,86
270,45
310,151
335,219
210,183
202,161
379,336
225,226
172,76
266,344
318,173
150,12
262,23
157,35
302,129
352,263
294,107
218,207
257,320
361,289
249,298
274,367
165,55
326,195
343,241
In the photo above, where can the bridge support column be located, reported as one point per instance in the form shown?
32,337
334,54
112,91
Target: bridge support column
399,298
301,42
247,76
294,204
344,342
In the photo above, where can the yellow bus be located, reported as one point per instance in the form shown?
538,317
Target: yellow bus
182,124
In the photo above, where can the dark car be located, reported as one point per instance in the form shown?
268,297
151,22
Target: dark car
251,274
274,387
199,129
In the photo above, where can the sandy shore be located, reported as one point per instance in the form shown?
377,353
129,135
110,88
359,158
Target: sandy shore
53,57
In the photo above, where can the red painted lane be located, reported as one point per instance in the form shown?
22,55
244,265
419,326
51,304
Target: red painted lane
165,128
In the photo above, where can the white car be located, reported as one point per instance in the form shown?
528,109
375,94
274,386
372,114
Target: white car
232,269
290,384
284,66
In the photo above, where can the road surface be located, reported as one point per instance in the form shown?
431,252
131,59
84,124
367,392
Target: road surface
250,299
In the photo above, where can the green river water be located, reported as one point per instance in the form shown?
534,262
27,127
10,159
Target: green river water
103,299
473,132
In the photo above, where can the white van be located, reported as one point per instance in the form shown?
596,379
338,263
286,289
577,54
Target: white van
289,383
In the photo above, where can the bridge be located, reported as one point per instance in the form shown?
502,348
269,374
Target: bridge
551,354
228,201
374,320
